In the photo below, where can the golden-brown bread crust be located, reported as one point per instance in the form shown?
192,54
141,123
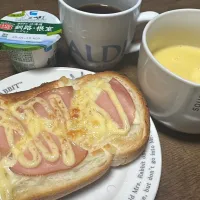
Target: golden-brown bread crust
25,95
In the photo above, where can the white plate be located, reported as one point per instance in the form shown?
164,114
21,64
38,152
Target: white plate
136,181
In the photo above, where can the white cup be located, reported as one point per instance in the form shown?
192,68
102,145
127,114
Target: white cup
99,41
172,100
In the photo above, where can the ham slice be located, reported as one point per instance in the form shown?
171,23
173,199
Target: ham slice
106,103
66,93
40,110
124,98
4,145
46,167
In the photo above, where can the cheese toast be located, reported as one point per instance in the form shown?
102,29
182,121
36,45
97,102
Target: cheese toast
64,135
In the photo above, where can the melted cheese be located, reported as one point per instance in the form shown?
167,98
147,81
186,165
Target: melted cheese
94,120
9,123
34,162
5,185
35,125
52,155
68,158
85,123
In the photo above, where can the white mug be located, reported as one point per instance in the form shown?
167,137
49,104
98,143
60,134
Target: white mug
99,41
172,100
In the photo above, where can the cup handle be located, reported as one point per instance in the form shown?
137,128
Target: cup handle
143,17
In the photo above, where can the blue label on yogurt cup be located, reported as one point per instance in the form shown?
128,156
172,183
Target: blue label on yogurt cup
46,49
33,13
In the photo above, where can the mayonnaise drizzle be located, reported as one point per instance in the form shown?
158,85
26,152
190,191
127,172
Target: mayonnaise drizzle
92,119
14,127
5,185
53,154
37,127
68,155
32,163
59,106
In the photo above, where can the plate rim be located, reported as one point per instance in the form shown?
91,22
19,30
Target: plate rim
45,69
160,155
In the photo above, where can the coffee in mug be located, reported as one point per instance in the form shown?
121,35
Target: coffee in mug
98,41
99,9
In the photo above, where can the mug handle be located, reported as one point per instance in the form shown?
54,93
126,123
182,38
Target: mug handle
143,17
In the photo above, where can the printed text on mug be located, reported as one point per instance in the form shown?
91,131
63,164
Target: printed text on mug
196,106
105,52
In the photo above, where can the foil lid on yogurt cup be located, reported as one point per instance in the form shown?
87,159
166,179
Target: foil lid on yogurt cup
30,29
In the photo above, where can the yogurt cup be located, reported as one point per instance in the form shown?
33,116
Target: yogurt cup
30,58
30,38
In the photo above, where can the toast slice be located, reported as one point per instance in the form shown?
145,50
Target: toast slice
63,135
